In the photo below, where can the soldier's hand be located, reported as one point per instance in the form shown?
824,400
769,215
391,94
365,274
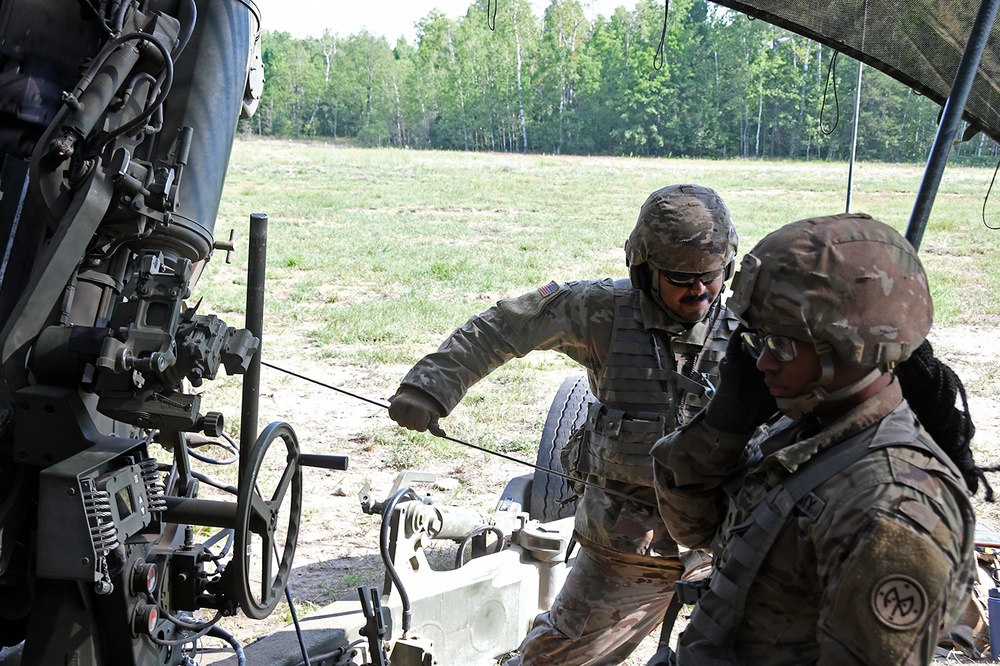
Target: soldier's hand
413,408
742,400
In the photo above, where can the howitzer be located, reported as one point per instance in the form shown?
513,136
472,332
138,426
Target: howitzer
118,121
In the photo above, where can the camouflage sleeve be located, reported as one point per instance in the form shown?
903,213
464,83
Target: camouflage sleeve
690,466
894,575
574,318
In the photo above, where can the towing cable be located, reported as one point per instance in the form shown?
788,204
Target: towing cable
435,429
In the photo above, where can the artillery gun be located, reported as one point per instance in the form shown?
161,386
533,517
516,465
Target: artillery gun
118,122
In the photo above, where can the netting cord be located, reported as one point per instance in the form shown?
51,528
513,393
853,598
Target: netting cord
661,56
491,13
987,198
831,73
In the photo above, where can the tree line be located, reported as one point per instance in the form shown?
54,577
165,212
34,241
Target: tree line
701,81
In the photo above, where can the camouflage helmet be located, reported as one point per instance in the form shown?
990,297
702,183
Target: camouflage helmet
685,229
847,280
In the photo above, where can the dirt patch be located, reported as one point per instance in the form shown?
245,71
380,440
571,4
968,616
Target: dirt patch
338,543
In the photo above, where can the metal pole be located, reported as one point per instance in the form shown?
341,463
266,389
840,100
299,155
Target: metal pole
950,119
854,139
256,263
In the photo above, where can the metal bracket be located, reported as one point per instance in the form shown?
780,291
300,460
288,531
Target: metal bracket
377,620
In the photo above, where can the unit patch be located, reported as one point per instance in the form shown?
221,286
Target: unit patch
887,591
899,602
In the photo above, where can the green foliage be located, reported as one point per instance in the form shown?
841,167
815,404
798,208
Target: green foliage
375,255
713,85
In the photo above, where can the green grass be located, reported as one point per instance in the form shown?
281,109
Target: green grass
374,256
393,248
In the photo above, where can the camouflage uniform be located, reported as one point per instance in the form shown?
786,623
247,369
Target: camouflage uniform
649,371
872,563
626,541
899,514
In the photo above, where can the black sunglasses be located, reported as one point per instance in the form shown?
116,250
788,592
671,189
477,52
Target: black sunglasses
688,279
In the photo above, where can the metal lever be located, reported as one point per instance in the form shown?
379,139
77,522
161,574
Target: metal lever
375,626
323,461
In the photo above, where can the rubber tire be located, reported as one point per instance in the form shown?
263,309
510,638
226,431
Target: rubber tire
568,411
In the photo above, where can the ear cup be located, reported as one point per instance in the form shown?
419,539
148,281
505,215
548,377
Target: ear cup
640,276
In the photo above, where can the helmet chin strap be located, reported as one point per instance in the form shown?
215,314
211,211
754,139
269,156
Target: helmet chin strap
816,393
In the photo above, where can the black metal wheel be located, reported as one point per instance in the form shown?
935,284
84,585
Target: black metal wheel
550,492
266,531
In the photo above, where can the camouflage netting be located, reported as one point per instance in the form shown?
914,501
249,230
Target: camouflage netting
918,42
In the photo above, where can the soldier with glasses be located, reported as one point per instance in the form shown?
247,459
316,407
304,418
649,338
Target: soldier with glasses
842,533
651,345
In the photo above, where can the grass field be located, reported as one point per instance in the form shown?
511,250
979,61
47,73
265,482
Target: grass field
373,251
374,256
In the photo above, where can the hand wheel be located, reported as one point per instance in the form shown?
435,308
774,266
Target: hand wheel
255,559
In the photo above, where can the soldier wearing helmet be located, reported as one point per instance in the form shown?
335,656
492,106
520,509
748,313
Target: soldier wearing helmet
651,345
842,532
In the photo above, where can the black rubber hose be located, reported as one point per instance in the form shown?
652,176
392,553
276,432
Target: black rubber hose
383,543
501,538
219,632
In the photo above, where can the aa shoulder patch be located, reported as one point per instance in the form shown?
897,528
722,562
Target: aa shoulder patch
899,602
548,289
887,591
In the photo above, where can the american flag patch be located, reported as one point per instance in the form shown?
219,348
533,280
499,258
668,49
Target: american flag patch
548,289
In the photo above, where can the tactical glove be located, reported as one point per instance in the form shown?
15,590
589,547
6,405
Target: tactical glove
413,408
742,400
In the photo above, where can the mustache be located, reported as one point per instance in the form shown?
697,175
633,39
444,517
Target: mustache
695,298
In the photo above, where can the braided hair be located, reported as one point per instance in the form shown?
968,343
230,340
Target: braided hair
931,388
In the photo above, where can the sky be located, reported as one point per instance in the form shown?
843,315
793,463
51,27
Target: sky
389,18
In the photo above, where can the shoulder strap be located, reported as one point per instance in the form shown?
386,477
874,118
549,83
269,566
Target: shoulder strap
745,552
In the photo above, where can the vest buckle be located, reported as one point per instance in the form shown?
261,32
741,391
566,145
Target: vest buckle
690,591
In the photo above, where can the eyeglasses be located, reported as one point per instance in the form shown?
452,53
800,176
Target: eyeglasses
688,279
781,347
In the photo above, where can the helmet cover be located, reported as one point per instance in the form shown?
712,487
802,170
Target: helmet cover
848,280
684,229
